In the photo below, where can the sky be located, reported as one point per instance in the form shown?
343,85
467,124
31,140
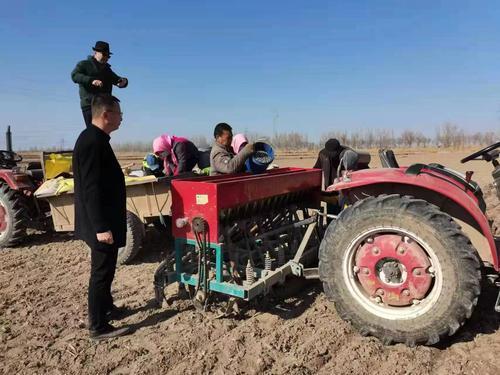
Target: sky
261,66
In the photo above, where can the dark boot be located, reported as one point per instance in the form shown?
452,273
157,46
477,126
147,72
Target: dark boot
109,332
118,313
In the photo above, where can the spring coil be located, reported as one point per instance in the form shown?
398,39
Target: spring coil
250,277
268,262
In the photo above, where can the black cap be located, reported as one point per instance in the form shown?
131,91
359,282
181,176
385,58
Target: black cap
332,145
101,46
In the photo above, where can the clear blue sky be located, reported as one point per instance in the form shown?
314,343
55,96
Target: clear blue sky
315,66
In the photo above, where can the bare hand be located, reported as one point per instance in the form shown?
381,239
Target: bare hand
105,237
97,83
122,82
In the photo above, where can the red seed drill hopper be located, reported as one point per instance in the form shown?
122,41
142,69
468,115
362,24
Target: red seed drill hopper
241,234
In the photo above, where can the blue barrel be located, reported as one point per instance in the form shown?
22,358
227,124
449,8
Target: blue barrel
261,158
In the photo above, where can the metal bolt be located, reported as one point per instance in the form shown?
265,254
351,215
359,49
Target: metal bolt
378,300
406,292
401,250
376,251
417,272
366,271
431,270
355,269
369,240
380,291
415,302
407,239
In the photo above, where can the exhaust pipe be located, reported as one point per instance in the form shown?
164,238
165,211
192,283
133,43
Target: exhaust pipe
8,139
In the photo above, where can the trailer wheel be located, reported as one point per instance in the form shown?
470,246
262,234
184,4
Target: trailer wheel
135,236
13,217
400,269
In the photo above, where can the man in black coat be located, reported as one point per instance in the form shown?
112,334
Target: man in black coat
100,210
94,76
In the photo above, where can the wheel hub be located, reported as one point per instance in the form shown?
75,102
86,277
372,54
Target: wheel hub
393,270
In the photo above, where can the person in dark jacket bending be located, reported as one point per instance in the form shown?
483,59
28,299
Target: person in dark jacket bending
94,76
334,158
100,211
179,154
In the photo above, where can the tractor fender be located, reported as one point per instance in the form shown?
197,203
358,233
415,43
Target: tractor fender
16,181
445,193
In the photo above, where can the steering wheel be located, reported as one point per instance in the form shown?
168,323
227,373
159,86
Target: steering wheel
480,152
10,156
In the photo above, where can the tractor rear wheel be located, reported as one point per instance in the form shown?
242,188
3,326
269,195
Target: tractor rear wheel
13,217
400,269
135,236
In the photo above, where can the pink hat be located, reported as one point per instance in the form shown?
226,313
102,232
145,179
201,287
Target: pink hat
239,140
162,143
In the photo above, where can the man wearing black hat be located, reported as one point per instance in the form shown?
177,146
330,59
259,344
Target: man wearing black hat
94,76
334,158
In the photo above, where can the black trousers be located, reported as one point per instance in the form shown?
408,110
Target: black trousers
102,273
87,115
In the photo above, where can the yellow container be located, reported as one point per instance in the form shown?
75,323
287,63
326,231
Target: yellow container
56,164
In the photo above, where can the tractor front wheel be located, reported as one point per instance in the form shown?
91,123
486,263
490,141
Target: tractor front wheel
400,269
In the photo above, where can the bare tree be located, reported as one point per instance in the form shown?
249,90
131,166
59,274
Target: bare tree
421,140
408,137
450,135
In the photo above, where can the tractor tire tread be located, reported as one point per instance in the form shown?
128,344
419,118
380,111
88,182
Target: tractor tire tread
18,211
467,259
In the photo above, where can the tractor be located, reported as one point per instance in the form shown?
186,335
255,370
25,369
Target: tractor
19,209
395,261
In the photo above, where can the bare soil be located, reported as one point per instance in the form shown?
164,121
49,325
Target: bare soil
297,331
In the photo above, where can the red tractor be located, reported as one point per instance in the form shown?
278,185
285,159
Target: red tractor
395,261
18,207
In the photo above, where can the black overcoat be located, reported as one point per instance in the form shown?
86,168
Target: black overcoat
100,198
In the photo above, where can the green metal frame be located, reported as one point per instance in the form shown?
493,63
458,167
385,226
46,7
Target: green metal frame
261,286
217,285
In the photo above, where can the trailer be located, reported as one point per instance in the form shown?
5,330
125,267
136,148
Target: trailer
148,202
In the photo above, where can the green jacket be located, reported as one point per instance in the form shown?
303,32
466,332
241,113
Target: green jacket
89,70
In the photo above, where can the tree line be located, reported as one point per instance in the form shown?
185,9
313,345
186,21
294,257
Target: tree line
446,136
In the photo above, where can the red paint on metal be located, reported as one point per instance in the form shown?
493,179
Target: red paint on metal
16,181
207,196
415,280
3,219
430,180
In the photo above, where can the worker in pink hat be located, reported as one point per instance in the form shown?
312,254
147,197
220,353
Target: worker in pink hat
179,154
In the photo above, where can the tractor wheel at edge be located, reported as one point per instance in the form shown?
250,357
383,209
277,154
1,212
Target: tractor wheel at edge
400,269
